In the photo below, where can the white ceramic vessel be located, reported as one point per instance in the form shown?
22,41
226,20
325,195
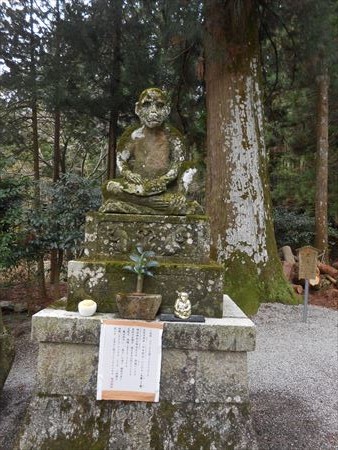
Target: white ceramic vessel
87,308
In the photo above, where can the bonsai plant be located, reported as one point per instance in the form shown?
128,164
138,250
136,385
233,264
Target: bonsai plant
139,305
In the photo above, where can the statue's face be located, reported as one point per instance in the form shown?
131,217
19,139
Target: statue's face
152,108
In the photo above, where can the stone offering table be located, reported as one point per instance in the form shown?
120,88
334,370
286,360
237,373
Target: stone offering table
203,404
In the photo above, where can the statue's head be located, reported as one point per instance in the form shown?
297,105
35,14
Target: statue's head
152,107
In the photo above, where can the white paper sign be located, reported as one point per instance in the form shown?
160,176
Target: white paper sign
129,361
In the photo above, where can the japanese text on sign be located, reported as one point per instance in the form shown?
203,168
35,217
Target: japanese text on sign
307,263
129,360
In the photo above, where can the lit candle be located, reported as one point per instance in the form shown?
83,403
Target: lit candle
87,308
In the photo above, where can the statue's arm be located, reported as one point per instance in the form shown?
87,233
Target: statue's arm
177,158
122,158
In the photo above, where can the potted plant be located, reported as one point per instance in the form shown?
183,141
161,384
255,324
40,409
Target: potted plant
139,305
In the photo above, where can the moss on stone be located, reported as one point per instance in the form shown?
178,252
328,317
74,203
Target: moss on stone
189,429
58,304
170,277
7,354
163,95
67,423
126,136
132,218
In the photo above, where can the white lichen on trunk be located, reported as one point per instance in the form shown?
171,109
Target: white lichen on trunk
244,200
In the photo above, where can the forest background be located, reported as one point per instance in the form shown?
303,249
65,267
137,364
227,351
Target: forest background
70,73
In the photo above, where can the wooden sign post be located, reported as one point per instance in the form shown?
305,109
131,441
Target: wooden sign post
307,257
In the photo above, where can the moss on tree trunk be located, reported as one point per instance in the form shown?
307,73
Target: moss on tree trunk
238,199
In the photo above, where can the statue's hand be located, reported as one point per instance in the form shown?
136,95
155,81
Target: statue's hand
178,202
111,186
169,176
132,177
155,186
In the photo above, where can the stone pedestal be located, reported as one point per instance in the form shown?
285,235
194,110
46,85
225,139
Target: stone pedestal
203,404
181,245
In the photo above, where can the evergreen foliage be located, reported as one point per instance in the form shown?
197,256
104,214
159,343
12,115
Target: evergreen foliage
299,42
59,222
12,235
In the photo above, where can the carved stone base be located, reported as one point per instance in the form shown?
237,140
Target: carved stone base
102,280
115,236
181,245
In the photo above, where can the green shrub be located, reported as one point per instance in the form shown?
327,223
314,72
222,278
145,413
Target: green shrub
12,196
297,228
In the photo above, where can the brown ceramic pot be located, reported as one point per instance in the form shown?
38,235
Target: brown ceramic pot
136,305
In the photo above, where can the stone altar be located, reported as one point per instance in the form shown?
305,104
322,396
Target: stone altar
204,401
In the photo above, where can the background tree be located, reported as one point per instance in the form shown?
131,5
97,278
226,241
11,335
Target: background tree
20,54
299,42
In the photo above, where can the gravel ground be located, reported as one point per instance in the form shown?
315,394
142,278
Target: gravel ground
293,379
20,383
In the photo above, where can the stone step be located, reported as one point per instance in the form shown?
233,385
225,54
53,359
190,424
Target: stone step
101,280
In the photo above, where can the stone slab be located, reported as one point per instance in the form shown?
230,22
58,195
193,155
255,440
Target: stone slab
183,426
78,361
186,375
102,280
225,334
178,237
7,353
77,423
65,423
173,318
200,377
230,309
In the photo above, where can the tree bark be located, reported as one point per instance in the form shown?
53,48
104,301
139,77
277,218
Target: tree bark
57,112
35,146
112,142
54,272
321,200
116,10
238,201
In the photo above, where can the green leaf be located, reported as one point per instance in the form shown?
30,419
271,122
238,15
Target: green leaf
135,258
139,248
152,264
147,272
149,254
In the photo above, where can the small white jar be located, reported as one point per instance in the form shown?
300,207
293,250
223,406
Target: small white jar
87,308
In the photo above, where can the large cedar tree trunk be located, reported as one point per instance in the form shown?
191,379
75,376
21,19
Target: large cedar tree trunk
321,238
237,187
